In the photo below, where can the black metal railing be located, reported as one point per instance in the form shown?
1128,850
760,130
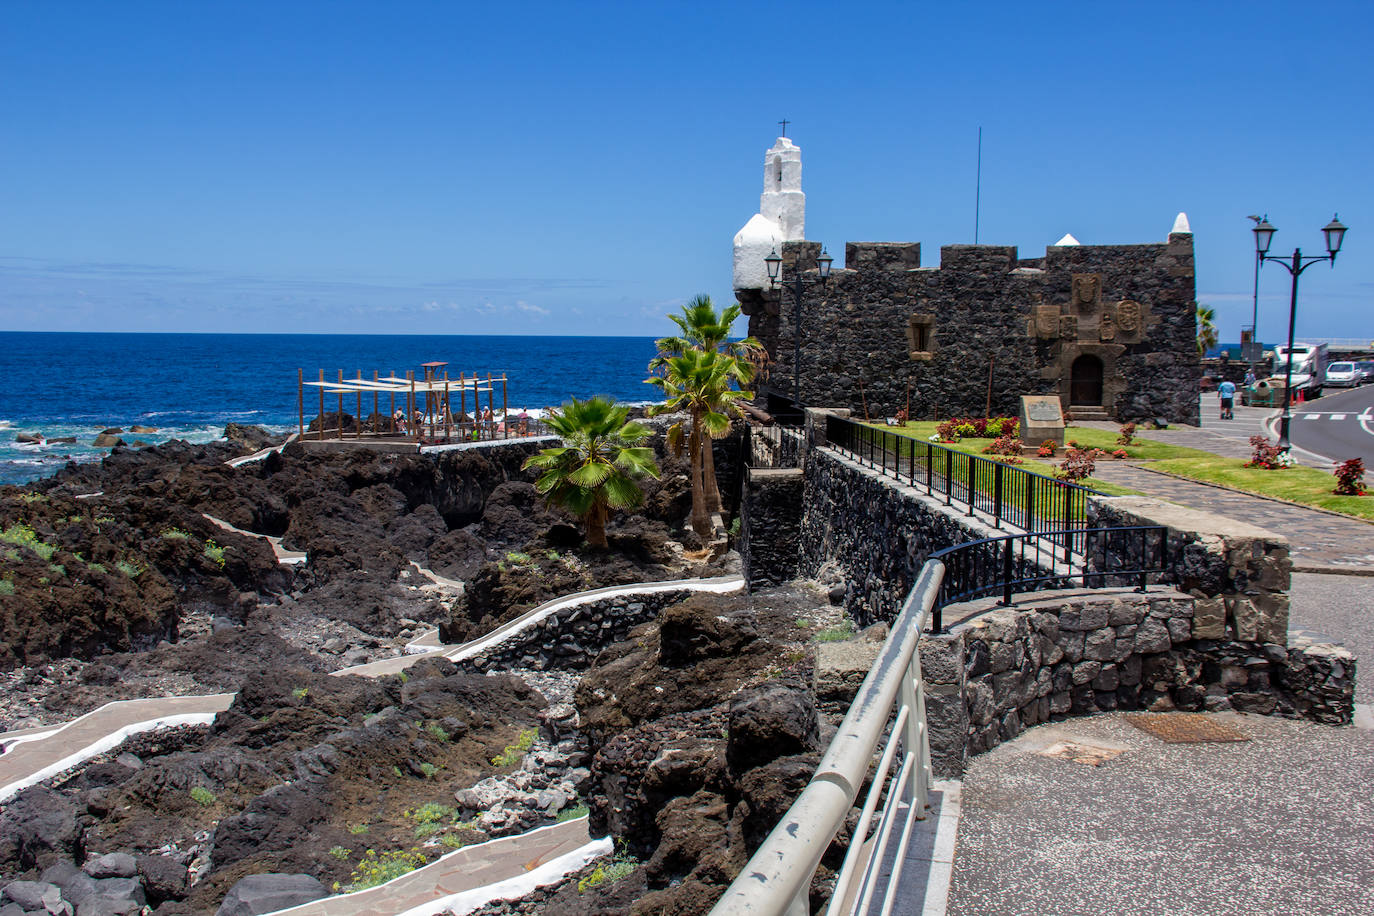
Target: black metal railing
1049,508
1019,563
773,447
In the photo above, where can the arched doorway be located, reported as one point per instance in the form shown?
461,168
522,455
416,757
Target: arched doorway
1085,381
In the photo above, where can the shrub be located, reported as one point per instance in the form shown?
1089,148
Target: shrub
300,693
514,753
1268,455
1350,478
379,869
1047,448
357,829
1127,436
174,534
432,813
1003,445
517,558
214,553
607,873
427,770
202,796
437,731
132,570
947,431
1078,464
1120,453
453,841
21,535
96,567
340,852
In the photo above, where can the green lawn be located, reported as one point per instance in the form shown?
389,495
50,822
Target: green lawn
1308,486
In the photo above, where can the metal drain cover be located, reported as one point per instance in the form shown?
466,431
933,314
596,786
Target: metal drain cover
1185,727
1092,755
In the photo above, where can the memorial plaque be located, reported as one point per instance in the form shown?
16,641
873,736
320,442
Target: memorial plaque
1041,419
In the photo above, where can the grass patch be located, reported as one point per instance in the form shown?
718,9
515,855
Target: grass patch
428,770
571,814
214,553
453,841
514,753
838,633
32,498
340,852
132,570
301,693
519,558
6,587
357,829
377,869
96,567
432,813
175,534
21,535
1308,486
437,732
202,796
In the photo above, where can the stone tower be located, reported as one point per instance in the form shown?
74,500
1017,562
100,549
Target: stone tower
781,217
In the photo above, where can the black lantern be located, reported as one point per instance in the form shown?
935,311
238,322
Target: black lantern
774,265
823,262
1335,234
1264,235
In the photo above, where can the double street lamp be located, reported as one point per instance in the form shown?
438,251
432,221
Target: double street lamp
1264,235
797,282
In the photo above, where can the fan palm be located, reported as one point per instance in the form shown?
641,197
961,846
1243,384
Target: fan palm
595,469
707,331
700,383
1206,329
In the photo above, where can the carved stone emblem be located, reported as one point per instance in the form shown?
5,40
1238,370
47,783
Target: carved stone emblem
1046,321
1106,327
1128,316
1086,289
1068,327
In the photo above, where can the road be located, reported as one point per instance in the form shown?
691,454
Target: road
1339,425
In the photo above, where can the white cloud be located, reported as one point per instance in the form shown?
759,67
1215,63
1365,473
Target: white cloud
531,309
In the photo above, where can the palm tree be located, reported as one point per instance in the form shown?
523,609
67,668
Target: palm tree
701,383
707,331
1206,329
594,471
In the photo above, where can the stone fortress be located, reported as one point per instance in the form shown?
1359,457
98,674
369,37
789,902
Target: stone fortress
1110,329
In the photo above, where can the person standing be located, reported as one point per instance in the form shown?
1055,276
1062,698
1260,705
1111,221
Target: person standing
1227,390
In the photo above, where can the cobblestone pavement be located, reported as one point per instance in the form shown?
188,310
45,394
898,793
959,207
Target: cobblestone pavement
1169,829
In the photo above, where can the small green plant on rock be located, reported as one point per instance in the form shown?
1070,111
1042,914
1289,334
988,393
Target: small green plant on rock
301,693
357,829
608,873
202,796
6,587
428,770
514,753
571,814
519,558
453,841
379,869
132,570
175,534
437,732
340,852
214,553
838,633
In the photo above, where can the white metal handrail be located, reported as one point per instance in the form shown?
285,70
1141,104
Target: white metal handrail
776,881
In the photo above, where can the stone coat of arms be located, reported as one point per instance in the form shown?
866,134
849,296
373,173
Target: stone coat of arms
1086,289
1128,316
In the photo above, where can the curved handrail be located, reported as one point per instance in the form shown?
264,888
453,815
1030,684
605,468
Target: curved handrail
779,873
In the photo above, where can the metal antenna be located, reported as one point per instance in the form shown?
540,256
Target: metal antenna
978,189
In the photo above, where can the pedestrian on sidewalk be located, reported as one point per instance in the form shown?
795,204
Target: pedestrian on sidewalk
1227,390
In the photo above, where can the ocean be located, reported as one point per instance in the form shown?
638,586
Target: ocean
188,386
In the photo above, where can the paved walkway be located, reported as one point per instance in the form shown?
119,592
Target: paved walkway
1274,825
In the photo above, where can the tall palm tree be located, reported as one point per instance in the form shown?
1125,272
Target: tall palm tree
701,383
594,471
1206,329
706,330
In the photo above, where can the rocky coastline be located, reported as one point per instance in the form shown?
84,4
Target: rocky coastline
680,736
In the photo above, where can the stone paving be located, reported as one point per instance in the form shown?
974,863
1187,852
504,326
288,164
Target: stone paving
1276,824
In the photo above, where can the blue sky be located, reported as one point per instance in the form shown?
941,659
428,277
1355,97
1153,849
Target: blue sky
581,168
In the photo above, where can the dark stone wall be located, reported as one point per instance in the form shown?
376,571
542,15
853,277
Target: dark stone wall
981,307
770,531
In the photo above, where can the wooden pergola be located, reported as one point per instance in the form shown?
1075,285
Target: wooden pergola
417,409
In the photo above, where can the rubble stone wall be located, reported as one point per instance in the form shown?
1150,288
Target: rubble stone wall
1076,653
572,637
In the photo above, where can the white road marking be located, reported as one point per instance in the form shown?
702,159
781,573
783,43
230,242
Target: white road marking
1311,416
1367,420
1338,416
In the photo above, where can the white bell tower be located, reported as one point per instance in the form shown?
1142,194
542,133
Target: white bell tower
781,217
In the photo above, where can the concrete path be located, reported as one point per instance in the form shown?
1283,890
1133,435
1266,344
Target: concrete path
284,557
1277,824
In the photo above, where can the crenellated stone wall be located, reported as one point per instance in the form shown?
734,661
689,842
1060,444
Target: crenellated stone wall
885,329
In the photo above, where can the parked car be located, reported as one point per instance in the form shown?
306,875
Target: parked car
1343,375
1366,368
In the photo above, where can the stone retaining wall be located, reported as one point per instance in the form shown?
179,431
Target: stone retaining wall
770,525
571,637
1080,652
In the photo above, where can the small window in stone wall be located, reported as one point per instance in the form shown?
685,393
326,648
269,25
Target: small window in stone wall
920,336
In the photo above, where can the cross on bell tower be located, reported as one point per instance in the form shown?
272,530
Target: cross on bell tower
784,122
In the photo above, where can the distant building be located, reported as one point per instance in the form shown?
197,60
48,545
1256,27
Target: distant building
1111,329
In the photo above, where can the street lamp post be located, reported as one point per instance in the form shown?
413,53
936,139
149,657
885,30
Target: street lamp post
797,283
1264,235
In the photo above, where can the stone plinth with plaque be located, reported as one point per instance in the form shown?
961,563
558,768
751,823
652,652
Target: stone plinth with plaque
1041,419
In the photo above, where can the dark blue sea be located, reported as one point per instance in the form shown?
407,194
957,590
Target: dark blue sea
189,385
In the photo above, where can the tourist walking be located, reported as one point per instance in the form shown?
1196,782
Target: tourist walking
1227,390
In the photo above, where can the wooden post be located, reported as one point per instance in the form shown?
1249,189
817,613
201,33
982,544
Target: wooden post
462,399
908,402
300,402
505,409
987,409
448,412
491,404
321,405
864,397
